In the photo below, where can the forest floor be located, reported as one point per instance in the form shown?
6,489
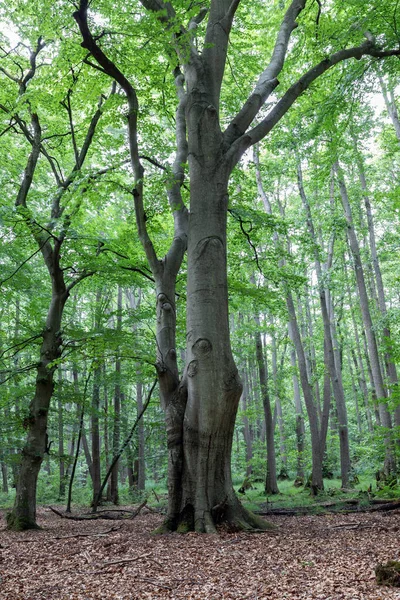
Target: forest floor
319,557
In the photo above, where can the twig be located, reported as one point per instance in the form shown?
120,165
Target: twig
139,508
165,587
101,533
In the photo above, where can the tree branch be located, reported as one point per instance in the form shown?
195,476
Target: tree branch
280,109
112,71
268,80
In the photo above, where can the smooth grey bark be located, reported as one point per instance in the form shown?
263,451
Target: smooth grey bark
271,483
332,364
390,462
23,515
316,447
308,334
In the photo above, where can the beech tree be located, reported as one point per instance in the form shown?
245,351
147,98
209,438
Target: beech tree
201,406
213,132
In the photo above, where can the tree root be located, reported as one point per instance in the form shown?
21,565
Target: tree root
222,517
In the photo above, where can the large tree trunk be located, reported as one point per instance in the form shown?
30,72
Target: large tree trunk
206,495
23,515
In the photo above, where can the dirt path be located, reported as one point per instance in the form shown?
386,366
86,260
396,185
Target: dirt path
329,557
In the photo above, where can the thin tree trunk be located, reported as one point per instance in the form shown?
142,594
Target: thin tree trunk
300,429
95,432
141,476
61,493
117,405
390,462
278,406
271,484
391,107
333,366
4,477
316,452
389,363
246,425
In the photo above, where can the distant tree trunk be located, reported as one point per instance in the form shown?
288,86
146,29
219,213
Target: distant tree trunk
355,396
316,452
141,466
106,435
95,432
61,493
333,366
300,430
316,449
391,107
389,363
4,477
246,425
271,484
117,405
278,405
390,462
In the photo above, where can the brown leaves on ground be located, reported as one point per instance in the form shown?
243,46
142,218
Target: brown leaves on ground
329,557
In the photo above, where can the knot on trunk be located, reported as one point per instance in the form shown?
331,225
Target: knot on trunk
202,347
193,367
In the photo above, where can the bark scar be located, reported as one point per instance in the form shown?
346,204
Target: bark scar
214,240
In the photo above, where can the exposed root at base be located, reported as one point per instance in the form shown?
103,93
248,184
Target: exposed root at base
15,523
221,518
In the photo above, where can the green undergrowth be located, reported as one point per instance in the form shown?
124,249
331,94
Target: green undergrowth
291,497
